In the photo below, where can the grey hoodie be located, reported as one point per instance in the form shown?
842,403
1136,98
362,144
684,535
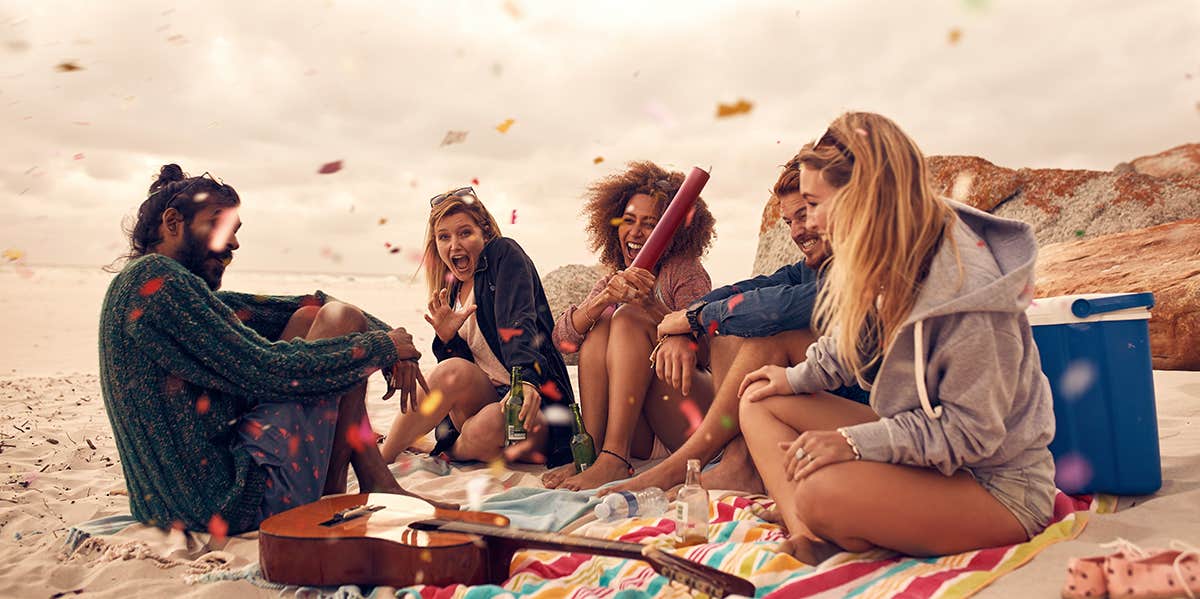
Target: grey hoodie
961,385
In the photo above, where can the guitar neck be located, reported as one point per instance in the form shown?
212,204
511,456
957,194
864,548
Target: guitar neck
699,577
539,540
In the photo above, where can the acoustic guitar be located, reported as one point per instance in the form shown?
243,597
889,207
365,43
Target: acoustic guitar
396,540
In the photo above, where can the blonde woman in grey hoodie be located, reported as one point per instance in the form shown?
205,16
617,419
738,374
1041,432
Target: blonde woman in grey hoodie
924,306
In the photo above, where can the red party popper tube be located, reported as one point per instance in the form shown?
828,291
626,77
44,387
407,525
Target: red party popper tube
671,219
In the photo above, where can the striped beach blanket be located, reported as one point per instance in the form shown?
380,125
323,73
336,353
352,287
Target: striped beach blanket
742,543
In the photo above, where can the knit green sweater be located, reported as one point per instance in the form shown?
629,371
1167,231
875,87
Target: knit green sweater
179,364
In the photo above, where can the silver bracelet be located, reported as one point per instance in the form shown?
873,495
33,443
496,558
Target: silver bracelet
850,442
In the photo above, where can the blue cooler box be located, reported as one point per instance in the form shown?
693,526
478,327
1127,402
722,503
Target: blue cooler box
1095,349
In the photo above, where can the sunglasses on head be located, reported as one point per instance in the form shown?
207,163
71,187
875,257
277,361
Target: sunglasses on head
829,138
457,193
191,183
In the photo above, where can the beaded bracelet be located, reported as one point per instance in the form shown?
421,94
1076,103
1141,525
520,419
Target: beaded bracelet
850,442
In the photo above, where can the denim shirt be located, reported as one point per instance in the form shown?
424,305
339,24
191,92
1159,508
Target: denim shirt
771,304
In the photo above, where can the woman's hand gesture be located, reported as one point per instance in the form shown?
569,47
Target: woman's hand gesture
446,320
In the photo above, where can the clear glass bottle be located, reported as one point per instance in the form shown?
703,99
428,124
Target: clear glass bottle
692,511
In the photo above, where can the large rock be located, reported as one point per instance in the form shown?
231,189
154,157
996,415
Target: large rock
1180,161
973,180
775,245
1069,204
568,285
1164,260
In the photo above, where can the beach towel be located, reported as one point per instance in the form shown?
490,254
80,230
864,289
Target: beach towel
741,543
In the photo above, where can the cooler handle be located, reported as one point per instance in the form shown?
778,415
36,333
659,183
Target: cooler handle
1083,308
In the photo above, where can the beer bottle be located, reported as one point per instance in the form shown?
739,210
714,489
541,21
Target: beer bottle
582,445
514,430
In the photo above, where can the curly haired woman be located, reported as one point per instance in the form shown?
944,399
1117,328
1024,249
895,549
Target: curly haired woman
625,407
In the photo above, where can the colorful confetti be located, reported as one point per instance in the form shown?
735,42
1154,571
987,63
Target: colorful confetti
1077,379
330,167
135,314
12,255
954,36
202,404
1080,232
454,137
513,220
692,412
151,287
476,487
550,389
726,422
79,156
557,415
475,181
68,66
382,221
961,190
712,328
1072,472
504,126
506,334
227,221
598,160
431,403
218,527
734,301
567,347
616,221
742,106
512,9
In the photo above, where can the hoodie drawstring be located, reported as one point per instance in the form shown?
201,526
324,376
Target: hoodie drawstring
919,371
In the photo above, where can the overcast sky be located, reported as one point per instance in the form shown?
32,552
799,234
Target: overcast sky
262,93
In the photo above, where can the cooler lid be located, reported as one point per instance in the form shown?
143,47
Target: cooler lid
1089,307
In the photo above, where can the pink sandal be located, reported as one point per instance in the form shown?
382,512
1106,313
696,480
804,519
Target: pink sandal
1134,573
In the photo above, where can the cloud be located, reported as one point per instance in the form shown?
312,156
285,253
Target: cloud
263,94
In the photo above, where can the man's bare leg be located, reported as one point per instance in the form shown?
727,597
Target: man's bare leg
735,471
720,424
334,320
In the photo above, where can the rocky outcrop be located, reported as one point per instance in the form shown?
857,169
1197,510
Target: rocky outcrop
1062,205
973,181
1180,161
1164,260
775,245
1080,219
568,285
1068,204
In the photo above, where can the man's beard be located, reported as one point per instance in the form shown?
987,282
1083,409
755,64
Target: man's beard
196,258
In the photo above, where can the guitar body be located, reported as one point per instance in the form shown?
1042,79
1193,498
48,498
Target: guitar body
375,548
397,540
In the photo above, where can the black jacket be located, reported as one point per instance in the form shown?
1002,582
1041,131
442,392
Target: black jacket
509,296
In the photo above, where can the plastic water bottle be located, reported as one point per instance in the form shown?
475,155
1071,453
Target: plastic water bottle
646,503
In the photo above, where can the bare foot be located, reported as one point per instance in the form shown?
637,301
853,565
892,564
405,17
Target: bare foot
554,478
808,551
663,475
606,469
735,471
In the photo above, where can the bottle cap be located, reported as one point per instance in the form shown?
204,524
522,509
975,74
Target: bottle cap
603,511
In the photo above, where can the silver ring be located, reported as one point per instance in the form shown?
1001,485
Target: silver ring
800,453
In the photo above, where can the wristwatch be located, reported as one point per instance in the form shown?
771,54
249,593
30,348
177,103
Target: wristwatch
693,317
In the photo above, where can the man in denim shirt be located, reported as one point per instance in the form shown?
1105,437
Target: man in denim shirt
736,329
